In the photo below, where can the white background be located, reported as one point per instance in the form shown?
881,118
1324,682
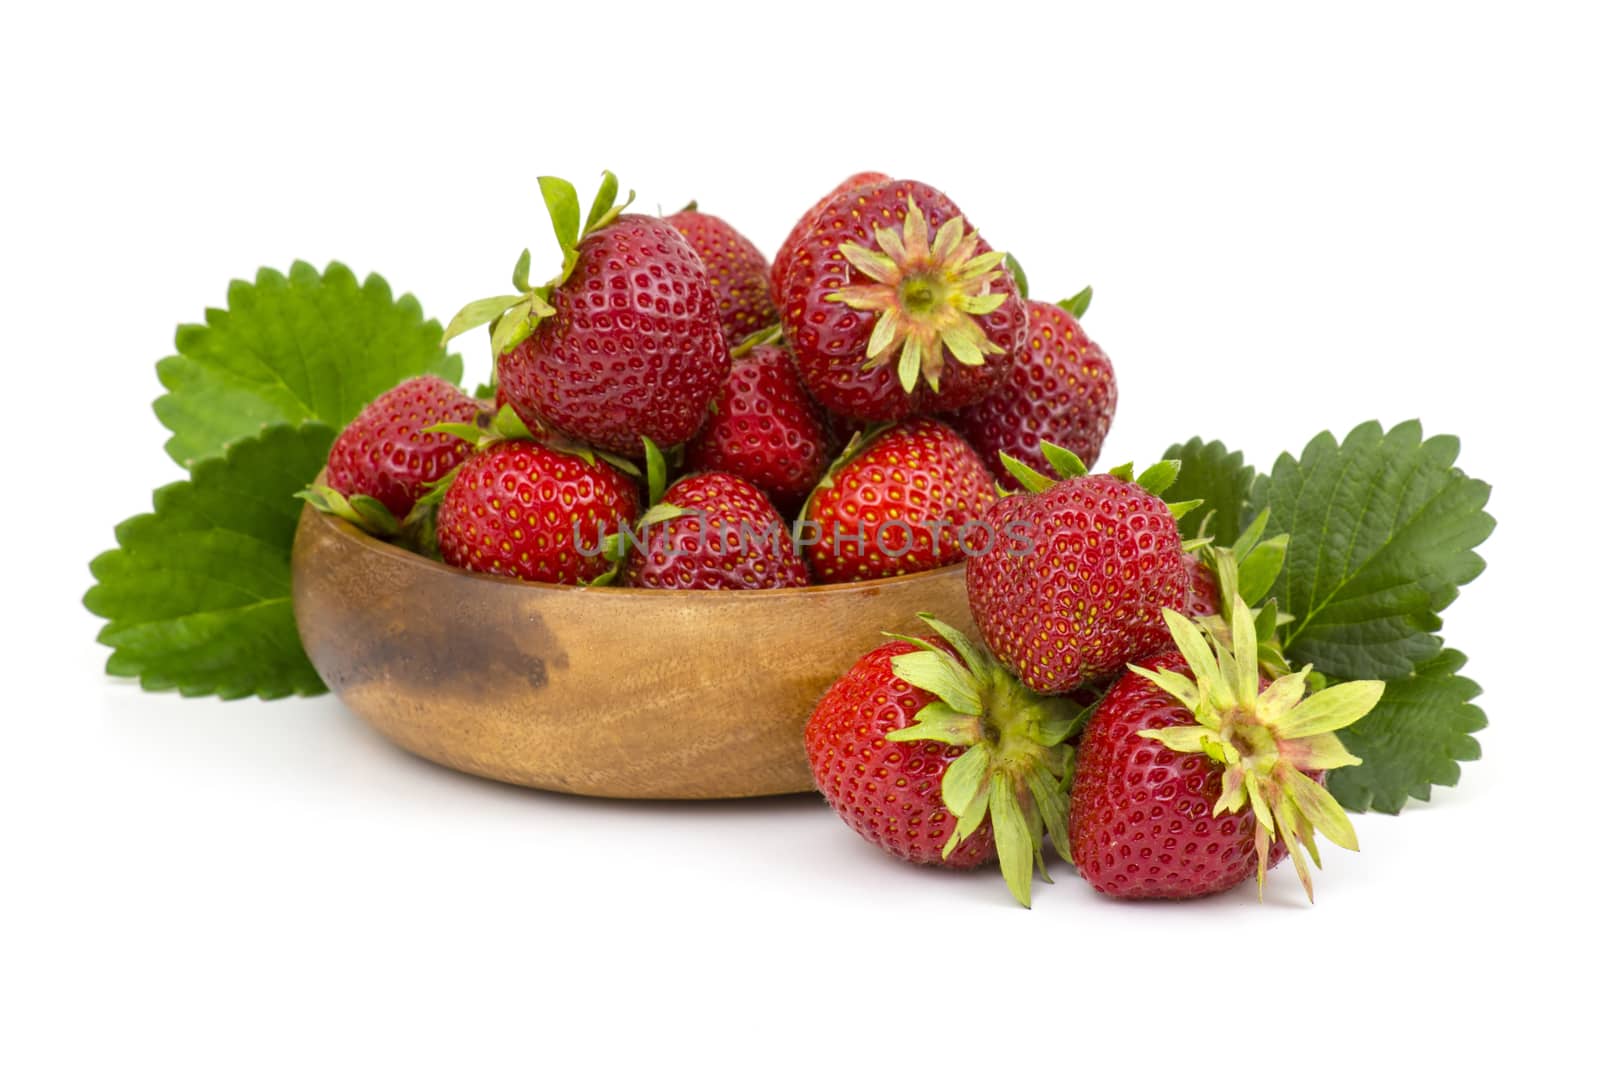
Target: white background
1292,222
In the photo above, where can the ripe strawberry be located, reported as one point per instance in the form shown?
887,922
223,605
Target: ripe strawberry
714,531
387,453
523,509
896,503
781,261
1202,597
1184,788
765,428
736,270
888,281
623,343
932,752
1074,585
1060,388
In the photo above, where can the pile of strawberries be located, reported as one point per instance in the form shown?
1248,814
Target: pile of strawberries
839,416
1125,702
881,401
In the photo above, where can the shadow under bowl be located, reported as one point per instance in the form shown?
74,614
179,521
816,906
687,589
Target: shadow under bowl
603,692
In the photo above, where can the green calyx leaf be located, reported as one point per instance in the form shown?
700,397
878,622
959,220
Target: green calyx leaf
1266,740
289,349
561,201
479,312
197,593
364,512
761,337
1158,477
1183,507
1017,767
1030,480
605,209
1064,462
656,472
661,513
1018,275
516,316
504,425
519,273
1078,303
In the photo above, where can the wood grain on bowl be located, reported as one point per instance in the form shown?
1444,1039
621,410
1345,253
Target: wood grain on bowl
603,692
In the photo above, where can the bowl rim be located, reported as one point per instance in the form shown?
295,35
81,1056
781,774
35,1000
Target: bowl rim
340,528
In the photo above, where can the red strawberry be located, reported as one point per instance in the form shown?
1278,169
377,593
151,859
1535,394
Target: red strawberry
780,262
524,509
624,343
386,452
714,531
1140,819
765,428
898,503
1203,597
736,270
1155,813
889,282
1074,584
934,754
1060,388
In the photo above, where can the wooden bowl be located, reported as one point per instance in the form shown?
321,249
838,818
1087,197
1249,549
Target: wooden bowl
604,692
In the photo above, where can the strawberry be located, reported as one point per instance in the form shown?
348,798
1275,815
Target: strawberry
781,261
623,343
765,428
1060,388
736,270
528,510
1191,773
714,531
901,501
931,751
387,452
382,462
1075,587
889,280
1202,597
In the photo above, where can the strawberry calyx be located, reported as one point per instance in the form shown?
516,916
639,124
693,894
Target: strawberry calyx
507,425
1268,741
1078,303
1074,305
928,292
1017,769
614,548
516,315
1154,479
768,336
365,513
1245,574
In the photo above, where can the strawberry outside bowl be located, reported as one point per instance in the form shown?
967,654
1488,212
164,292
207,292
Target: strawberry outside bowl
635,693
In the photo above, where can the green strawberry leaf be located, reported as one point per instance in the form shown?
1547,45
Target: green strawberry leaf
1209,472
1416,738
197,595
309,347
1077,305
1381,530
